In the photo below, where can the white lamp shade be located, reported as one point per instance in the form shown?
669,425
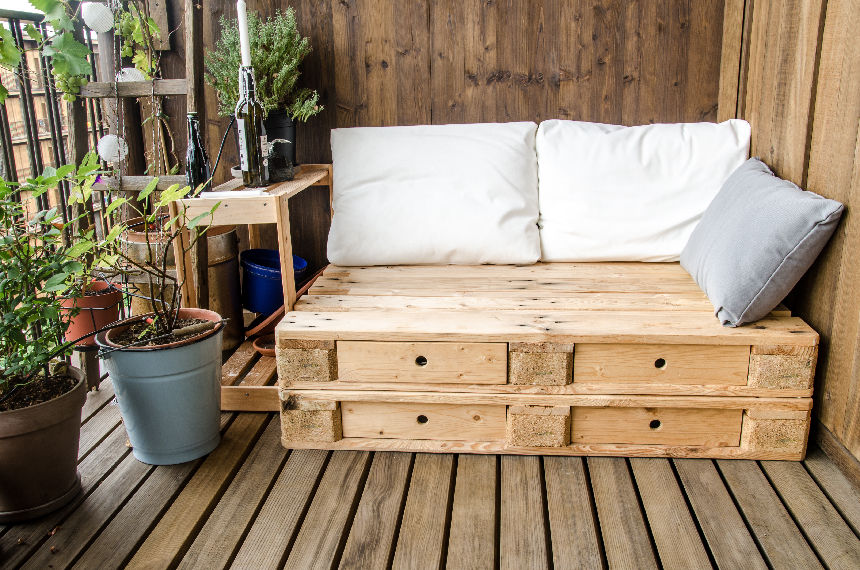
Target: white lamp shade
97,16
129,74
112,148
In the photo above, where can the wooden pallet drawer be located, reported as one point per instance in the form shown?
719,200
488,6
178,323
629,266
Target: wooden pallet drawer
656,426
452,422
430,362
661,364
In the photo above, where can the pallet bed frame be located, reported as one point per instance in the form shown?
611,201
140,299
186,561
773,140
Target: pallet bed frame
556,358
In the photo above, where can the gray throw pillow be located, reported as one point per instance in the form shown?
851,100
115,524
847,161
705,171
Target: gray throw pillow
755,241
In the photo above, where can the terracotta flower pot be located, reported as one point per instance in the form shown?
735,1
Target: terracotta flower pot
39,455
98,309
169,395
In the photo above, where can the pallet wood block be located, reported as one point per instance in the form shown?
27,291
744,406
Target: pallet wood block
538,426
544,363
622,359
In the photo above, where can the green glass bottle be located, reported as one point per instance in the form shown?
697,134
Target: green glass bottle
197,170
253,143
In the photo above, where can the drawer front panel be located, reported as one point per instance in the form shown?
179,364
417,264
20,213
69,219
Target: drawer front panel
657,426
661,364
452,422
433,362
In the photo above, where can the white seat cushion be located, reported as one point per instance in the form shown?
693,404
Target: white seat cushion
614,193
440,194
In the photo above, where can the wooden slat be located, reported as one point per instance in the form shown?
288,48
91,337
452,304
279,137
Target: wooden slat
423,421
97,428
472,540
327,519
422,529
622,526
374,528
278,521
97,399
440,362
675,535
138,183
249,398
836,486
833,540
97,89
670,364
728,539
238,364
224,529
572,521
171,537
730,59
523,533
779,538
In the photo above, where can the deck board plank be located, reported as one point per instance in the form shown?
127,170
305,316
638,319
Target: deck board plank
472,541
830,536
841,492
319,538
782,542
222,533
99,463
371,538
573,526
422,530
727,535
97,399
277,523
622,524
179,525
675,535
522,532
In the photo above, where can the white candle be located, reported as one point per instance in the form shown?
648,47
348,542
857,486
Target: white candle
244,42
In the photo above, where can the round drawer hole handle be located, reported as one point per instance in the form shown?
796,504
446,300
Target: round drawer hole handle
654,424
660,363
422,419
421,361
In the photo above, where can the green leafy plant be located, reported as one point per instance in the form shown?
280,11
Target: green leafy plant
277,50
43,261
138,31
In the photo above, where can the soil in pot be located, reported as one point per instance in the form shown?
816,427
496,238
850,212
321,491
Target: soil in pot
33,393
39,451
141,333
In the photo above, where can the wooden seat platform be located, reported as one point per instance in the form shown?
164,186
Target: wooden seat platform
552,358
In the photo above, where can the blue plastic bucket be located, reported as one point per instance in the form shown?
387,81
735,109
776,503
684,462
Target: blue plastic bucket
262,291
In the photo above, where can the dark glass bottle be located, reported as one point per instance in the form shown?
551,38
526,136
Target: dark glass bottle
197,169
253,143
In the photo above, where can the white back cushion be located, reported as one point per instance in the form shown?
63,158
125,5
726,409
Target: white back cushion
440,194
614,193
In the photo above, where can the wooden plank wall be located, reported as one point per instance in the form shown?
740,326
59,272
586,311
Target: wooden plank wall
799,70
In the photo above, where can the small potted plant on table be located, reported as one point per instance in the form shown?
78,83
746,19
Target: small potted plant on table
277,50
165,365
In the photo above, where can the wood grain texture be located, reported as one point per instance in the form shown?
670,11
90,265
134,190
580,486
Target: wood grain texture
572,516
424,421
727,536
664,426
472,540
424,524
730,59
780,539
522,533
675,535
622,523
838,488
373,531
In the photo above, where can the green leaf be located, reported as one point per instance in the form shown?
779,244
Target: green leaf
55,13
69,55
10,57
3,94
114,205
56,282
197,219
79,249
34,33
65,170
114,233
150,188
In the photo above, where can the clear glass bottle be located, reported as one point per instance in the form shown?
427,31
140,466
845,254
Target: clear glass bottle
197,169
253,143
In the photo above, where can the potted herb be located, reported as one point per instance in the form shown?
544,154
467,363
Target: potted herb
165,365
41,396
277,50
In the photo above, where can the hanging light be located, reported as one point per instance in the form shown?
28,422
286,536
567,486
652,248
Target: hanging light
97,16
112,148
129,74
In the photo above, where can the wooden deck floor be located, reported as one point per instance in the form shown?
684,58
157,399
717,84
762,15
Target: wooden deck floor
253,504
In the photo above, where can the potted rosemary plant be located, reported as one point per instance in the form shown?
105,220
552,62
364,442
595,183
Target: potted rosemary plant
277,50
41,396
165,365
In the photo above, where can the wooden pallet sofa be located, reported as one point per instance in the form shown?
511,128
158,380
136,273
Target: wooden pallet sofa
560,357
